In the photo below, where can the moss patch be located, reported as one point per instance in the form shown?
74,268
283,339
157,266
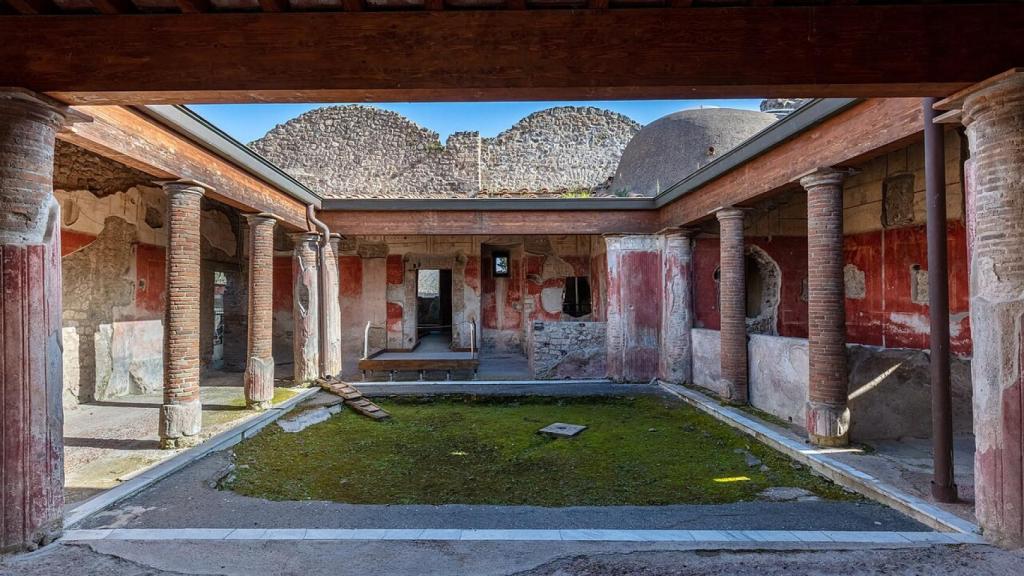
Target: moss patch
636,451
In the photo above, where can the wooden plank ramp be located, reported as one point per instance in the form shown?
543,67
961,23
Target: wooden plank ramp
353,398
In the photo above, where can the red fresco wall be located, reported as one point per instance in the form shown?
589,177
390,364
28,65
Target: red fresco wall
350,269
886,316
511,317
71,241
283,283
151,281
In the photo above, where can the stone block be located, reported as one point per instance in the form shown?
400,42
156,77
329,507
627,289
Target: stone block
562,430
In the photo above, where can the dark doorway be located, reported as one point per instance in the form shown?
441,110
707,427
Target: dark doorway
434,305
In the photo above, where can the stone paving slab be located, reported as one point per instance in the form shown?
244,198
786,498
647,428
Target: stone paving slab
752,537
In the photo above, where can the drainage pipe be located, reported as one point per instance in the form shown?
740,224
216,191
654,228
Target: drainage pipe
943,485
321,258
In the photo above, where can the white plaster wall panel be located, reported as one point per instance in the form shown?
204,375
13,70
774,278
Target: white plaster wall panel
778,376
707,346
129,359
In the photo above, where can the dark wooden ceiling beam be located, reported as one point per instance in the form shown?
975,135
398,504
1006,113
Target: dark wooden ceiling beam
864,50
352,5
114,6
275,5
33,6
195,6
433,4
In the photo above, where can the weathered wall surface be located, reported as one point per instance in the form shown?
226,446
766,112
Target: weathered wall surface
707,350
560,350
361,151
378,285
885,249
113,239
778,376
890,390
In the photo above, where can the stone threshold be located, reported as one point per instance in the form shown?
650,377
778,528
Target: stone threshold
752,538
398,384
818,460
244,429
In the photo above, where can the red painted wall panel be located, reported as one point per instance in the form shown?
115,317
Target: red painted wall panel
283,283
151,281
71,241
350,269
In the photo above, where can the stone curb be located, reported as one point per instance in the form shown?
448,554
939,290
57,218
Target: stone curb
743,538
245,429
839,472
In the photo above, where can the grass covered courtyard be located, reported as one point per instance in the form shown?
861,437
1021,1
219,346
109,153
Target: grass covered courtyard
465,450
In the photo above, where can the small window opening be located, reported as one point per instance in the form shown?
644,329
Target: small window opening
576,300
501,264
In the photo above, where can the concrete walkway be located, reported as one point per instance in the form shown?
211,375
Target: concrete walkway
109,442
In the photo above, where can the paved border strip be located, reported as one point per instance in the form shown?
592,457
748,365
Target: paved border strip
244,429
839,472
748,537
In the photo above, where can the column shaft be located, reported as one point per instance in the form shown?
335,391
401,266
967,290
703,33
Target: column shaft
259,370
994,116
828,419
732,305
306,308
675,362
181,414
31,421
332,309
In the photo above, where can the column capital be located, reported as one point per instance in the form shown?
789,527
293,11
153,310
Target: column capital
40,107
632,241
300,238
183,186
825,176
261,217
730,213
1004,88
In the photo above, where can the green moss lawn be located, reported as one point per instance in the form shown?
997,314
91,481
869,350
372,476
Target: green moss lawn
638,451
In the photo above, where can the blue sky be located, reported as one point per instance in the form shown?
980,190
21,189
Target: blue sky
247,122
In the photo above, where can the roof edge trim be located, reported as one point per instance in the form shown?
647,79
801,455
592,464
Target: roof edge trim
213,139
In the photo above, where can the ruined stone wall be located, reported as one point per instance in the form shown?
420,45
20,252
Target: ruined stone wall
362,151
565,350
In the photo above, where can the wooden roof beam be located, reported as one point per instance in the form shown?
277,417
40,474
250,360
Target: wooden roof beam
114,6
34,6
195,6
454,55
275,5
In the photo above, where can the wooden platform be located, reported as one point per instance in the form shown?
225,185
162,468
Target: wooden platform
420,361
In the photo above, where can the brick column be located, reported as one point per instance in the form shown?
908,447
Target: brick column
732,304
828,418
181,414
306,308
332,309
31,370
675,361
634,306
259,368
994,115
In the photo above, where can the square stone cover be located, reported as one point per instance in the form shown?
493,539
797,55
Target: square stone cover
562,430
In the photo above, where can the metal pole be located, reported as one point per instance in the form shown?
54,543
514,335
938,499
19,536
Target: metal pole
943,485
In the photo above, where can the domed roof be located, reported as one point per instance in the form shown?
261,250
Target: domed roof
674,146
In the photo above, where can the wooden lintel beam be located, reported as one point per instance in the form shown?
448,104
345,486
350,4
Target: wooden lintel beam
352,5
456,54
433,4
597,4
194,6
114,6
33,6
134,140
